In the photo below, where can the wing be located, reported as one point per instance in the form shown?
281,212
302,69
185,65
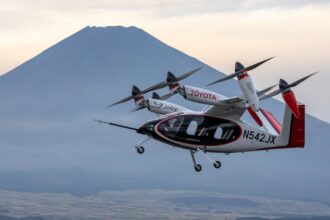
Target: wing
240,99
222,111
231,101
234,106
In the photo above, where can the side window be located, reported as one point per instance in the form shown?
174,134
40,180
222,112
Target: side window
192,128
228,134
228,131
170,125
173,125
218,133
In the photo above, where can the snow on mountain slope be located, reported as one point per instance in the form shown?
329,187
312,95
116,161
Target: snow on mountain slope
48,103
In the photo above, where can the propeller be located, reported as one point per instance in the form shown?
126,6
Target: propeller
160,85
288,95
285,86
239,71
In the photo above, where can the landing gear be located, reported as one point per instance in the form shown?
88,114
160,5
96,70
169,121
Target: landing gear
140,149
197,167
217,164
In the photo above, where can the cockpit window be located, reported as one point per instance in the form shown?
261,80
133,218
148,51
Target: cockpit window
200,129
218,133
170,125
192,128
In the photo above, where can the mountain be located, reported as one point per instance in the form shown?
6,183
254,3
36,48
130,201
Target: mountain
48,103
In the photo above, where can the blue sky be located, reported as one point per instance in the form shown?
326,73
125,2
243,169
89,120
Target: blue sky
216,32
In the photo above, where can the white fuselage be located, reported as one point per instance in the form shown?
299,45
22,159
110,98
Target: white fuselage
196,130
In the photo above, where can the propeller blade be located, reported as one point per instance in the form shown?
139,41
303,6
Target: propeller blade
284,86
254,65
301,80
230,76
240,71
160,85
186,75
166,96
121,101
262,92
274,93
137,108
165,83
155,87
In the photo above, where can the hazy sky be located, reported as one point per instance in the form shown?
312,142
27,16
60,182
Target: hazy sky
218,32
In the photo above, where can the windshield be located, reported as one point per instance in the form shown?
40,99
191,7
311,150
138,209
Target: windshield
200,130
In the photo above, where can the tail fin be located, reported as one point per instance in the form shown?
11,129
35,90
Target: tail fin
292,134
294,127
138,97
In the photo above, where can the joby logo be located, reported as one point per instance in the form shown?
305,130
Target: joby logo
158,105
170,108
202,94
164,107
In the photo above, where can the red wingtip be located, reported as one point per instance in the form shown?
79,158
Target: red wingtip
255,116
290,100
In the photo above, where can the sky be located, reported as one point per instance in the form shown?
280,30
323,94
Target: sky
217,32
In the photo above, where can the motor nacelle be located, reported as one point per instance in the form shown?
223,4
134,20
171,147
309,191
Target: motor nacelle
163,107
201,95
289,97
249,91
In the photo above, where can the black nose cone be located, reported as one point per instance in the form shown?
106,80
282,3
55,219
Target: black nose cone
238,66
283,84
